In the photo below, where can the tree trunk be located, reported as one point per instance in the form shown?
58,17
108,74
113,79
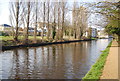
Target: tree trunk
48,32
58,23
28,18
43,21
54,25
35,30
63,18
17,15
118,40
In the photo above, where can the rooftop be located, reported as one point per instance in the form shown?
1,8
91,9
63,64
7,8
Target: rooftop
5,25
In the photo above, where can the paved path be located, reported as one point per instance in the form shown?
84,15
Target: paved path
110,70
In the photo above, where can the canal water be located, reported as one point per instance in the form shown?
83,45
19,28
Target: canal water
60,61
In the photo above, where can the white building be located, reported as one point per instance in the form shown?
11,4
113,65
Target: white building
5,28
102,34
93,32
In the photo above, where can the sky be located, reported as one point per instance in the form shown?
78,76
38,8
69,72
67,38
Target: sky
4,12
4,9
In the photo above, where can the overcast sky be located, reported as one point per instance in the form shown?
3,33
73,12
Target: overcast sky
4,12
4,9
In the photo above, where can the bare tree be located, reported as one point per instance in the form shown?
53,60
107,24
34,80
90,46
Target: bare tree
54,21
14,17
36,17
44,9
28,21
63,17
80,17
74,18
48,15
82,21
58,20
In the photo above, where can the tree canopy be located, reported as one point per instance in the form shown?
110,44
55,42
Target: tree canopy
112,11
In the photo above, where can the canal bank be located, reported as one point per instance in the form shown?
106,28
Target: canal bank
41,44
110,70
106,68
96,70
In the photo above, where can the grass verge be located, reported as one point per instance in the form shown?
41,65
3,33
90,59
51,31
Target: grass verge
6,38
96,70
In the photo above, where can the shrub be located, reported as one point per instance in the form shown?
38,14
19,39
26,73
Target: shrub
4,34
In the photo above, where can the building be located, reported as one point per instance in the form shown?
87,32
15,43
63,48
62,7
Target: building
90,32
42,27
87,33
93,32
21,30
5,28
102,34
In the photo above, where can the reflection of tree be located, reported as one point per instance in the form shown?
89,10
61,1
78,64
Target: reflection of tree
79,59
35,63
48,56
17,66
26,62
74,51
11,71
54,52
62,53
43,54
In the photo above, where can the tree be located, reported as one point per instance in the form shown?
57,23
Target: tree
80,17
58,20
112,13
82,21
74,18
48,15
63,18
36,17
28,21
14,17
44,18
54,21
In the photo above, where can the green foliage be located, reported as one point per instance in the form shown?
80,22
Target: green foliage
112,30
112,12
93,38
6,38
96,70
54,33
4,34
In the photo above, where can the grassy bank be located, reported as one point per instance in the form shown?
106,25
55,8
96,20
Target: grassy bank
9,41
6,38
96,70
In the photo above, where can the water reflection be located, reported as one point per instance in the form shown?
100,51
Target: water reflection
62,61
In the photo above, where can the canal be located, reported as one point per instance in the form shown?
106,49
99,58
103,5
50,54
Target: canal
59,61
